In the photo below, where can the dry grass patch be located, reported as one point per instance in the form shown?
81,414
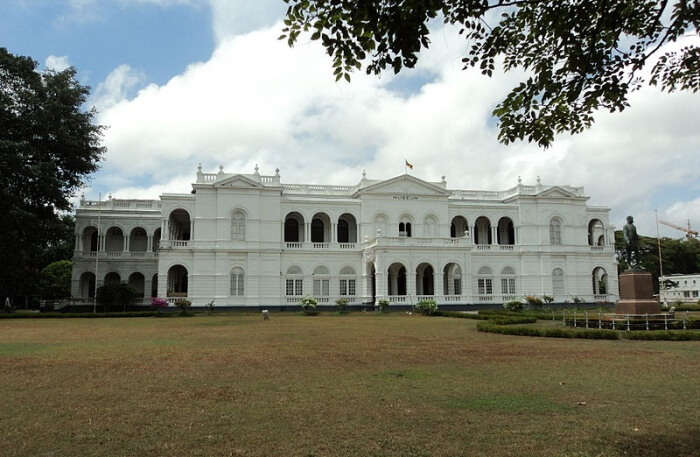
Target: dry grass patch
352,385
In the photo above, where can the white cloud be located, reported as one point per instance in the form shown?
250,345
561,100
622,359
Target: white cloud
116,87
56,63
234,17
257,101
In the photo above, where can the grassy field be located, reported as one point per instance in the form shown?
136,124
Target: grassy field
355,385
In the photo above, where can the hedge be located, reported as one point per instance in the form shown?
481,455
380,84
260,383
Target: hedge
461,315
687,307
78,315
657,335
547,332
512,320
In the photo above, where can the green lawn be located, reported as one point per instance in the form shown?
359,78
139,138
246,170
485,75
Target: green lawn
355,385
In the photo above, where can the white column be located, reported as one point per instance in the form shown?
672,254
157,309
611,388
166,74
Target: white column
191,229
334,232
78,243
307,232
438,285
126,243
494,234
149,243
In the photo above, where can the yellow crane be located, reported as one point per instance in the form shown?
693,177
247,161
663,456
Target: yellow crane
689,233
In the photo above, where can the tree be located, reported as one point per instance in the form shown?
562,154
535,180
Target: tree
581,56
55,280
48,146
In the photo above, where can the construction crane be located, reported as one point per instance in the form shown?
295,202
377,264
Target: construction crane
689,233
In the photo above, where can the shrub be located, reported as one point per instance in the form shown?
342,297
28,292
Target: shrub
383,306
342,304
210,307
678,335
552,332
460,315
184,304
426,307
309,306
115,296
534,302
577,300
158,303
512,320
688,307
547,299
513,305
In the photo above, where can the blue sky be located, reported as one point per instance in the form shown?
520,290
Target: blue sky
181,82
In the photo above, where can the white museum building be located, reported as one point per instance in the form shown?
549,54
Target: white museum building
250,240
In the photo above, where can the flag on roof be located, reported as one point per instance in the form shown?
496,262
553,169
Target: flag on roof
409,165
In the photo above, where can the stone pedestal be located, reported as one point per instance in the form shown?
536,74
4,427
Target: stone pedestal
636,294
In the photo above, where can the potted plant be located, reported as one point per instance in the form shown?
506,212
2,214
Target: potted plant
309,305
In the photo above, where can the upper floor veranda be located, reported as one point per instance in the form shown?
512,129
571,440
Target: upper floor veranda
254,211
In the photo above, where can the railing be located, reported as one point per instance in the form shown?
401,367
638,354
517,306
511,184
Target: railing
137,253
485,298
600,297
453,298
431,242
425,297
397,298
90,253
506,247
628,322
507,298
321,245
317,188
114,253
483,247
597,248
294,245
322,299
121,204
179,243
346,245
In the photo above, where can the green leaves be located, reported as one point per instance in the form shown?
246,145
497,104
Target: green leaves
583,56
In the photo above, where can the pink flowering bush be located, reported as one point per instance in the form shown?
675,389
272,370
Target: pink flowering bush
159,302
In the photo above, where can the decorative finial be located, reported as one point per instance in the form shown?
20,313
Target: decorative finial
364,174
199,167
443,178
520,180
256,169
221,168
110,195
538,181
277,171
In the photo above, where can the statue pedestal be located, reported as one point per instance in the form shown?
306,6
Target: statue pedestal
636,294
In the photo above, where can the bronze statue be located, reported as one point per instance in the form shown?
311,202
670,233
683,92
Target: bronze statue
631,244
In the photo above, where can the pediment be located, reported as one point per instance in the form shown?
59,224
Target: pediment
404,185
238,182
556,192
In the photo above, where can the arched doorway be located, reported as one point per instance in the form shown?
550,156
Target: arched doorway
87,285
294,228
396,279
154,285
179,223
482,231
112,279
425,279
177,281
138,283
459,227
506,231
452,279
372,282
347,229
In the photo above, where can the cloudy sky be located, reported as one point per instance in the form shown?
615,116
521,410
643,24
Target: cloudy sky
181,82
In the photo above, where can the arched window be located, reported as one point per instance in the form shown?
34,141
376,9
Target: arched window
237,282
238,226
321,283
600,281
396,279
405,225
114,240
112,279
555,231
320,228
425,281
596,231
138,241
508,283
347,229
558,287
484,282
347,282
294,284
